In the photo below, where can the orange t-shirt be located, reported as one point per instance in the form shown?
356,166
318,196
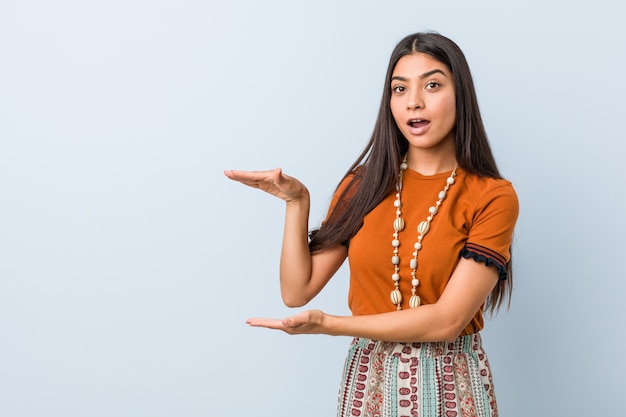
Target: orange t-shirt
476,220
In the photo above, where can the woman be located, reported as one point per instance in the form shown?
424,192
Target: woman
426,223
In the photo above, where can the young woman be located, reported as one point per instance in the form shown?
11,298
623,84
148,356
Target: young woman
426,223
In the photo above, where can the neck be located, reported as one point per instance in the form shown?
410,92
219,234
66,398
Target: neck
433,160
429,164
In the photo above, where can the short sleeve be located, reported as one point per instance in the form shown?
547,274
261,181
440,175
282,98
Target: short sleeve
491,231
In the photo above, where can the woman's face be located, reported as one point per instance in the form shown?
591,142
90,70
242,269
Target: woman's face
423,103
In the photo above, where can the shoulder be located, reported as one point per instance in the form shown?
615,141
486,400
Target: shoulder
346,187
486,184
349,181
485,190
488,203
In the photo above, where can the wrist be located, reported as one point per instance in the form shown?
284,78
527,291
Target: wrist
303,200
331,325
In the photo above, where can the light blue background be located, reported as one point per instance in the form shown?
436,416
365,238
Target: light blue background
129,263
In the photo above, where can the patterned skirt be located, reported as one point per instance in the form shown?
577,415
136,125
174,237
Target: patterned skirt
441,379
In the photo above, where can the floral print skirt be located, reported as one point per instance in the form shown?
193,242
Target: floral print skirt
436,379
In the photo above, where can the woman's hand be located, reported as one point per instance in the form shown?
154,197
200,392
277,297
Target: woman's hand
274,182
307,322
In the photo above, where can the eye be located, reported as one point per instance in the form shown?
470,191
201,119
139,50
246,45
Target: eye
398,89
431,85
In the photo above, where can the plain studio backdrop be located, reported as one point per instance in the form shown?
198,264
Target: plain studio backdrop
129,263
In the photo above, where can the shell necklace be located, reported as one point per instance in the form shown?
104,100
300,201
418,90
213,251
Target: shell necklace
422,229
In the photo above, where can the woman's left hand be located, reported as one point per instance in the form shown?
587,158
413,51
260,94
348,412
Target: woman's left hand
307,322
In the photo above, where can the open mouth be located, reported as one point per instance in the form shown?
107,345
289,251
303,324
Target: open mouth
418,122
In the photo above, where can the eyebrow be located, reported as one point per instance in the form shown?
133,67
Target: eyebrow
424,75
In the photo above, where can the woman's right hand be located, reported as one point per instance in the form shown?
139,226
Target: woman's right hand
274,182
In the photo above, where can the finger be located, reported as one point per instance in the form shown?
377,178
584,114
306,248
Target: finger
297,320
256,179
267,323
255,176
278,177
290,322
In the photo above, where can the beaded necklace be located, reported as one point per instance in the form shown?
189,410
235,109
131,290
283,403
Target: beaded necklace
422,230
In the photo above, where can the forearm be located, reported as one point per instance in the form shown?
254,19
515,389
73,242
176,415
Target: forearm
428,323
463,297
302,275
295,259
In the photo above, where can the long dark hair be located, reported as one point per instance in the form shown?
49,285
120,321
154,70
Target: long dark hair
377,167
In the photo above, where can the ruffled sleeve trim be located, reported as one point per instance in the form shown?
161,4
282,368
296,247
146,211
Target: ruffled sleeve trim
489,257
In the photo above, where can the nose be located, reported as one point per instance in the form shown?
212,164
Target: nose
414,100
